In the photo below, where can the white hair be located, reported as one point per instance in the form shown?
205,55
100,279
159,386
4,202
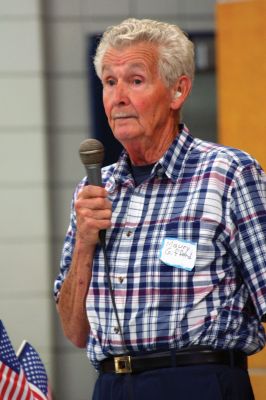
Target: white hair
176,51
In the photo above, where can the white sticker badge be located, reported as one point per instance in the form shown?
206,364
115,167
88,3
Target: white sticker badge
179,253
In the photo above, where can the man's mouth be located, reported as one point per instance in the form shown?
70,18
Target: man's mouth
116,116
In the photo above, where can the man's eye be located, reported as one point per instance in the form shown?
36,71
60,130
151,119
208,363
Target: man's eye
110,82
137,81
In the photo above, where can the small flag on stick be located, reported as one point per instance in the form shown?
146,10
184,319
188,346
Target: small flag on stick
34,370
13,383
22,375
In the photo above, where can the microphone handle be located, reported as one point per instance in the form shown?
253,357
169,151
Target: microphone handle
95,178
94,174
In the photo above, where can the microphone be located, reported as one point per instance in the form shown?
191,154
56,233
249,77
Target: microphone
91,152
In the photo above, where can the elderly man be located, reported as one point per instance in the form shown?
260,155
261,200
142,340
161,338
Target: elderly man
185,225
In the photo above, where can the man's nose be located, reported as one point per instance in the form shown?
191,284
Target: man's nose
121,95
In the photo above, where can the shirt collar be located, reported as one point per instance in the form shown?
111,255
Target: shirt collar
173,158
169,164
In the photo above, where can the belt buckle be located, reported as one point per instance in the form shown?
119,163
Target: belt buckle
123,365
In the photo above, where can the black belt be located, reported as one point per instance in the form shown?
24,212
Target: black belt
140,363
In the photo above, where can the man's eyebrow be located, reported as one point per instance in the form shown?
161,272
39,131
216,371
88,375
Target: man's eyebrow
135,65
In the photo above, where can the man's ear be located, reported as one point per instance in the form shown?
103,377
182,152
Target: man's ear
180,91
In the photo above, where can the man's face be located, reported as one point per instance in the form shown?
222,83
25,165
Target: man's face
136,100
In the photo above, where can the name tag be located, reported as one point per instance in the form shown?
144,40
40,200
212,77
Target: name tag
179,253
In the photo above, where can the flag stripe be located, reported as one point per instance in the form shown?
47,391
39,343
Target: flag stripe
24,392
14,386
2,367
19,389
7,380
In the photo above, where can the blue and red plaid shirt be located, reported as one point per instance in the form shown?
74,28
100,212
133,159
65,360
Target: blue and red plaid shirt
212,199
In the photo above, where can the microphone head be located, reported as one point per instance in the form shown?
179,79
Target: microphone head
91,151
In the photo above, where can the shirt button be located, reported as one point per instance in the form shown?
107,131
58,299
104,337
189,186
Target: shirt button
121,279
129,233
116,329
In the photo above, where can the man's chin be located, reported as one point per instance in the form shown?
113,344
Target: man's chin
125,135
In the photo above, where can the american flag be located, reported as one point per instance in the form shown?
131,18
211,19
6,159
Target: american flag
35,371
13,382
22,375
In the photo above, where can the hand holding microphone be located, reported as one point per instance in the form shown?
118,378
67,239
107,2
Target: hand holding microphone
95,209
92,206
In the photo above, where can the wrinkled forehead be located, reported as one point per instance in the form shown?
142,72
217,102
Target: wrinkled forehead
139,55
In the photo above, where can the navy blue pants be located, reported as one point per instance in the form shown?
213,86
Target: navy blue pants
203,382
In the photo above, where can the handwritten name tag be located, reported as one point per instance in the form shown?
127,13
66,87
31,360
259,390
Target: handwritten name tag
178,253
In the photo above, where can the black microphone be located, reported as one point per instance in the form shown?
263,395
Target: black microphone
91,152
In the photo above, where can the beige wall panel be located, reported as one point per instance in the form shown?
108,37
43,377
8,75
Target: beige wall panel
27,318
105,7
84,375
23,212
22,103
20,46
22,157
13,8
65,163
66,51
62,8
24,268
67,102
61,209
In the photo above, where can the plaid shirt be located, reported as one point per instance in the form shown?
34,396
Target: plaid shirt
187,253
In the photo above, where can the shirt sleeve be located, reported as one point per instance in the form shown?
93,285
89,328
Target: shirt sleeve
249,232
68,246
